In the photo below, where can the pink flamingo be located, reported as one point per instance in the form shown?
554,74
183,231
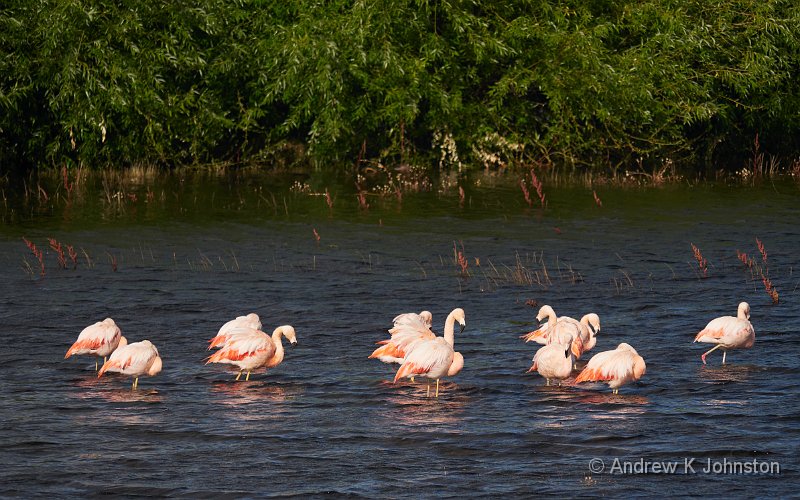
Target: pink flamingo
553,361
136,359
253,349
407,330
99,340
435,358
618,367
233,326
728,332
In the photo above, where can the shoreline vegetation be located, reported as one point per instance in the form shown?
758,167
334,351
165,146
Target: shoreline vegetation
604,91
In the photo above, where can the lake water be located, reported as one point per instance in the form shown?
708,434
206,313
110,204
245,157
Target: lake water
191,253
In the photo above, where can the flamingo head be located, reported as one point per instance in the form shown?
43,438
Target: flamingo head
744,311
458,315
545,312
288,332
593,321
426,318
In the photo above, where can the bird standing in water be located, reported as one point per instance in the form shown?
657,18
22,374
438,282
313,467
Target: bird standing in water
728,332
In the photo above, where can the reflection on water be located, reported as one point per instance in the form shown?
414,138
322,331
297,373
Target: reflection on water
113,389
238,394
408,405
720,374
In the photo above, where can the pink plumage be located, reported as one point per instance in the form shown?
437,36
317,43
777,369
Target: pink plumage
250,349
233,327
434,358
99,339
136,359
618,367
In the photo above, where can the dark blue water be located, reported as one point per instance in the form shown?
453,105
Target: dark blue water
328,420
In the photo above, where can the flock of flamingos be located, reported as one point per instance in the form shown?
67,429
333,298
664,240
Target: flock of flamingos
415,347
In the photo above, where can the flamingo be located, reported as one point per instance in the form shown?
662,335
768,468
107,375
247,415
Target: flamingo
435,358
407,330
563,330
617,367
233,327
249,350
136,359
99,340
553,361
728,332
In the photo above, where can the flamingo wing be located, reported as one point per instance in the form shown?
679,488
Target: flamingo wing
608,365
94,337
243,345
427,356
132,359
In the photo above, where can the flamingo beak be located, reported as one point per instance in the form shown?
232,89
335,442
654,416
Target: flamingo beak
463,325
293,342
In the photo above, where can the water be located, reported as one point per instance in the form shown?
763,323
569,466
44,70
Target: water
328,420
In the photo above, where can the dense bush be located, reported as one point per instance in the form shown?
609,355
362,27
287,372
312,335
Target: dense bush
572,83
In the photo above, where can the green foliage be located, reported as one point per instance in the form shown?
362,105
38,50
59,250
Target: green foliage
598,83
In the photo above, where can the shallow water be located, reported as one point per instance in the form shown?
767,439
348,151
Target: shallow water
328,420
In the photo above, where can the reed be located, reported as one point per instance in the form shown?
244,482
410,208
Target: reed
597,200
537,184
112,259
525,192
770,289
762,250
328,200
744,259
59,250
36,253
461,259
316,234
702,263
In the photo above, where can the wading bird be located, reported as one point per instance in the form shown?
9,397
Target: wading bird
618,367
553,361
99,340
728,333
253,349
136,359
435,358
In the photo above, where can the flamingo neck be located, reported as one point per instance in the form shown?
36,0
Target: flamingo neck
551,318
276,339
449,330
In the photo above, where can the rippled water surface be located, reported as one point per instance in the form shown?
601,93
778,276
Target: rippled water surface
328,420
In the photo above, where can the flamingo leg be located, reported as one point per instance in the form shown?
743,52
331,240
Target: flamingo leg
437,387
135,384
548,381
412,379
724,353
237,376
616,391
248,376
703,357
96,368
428,394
